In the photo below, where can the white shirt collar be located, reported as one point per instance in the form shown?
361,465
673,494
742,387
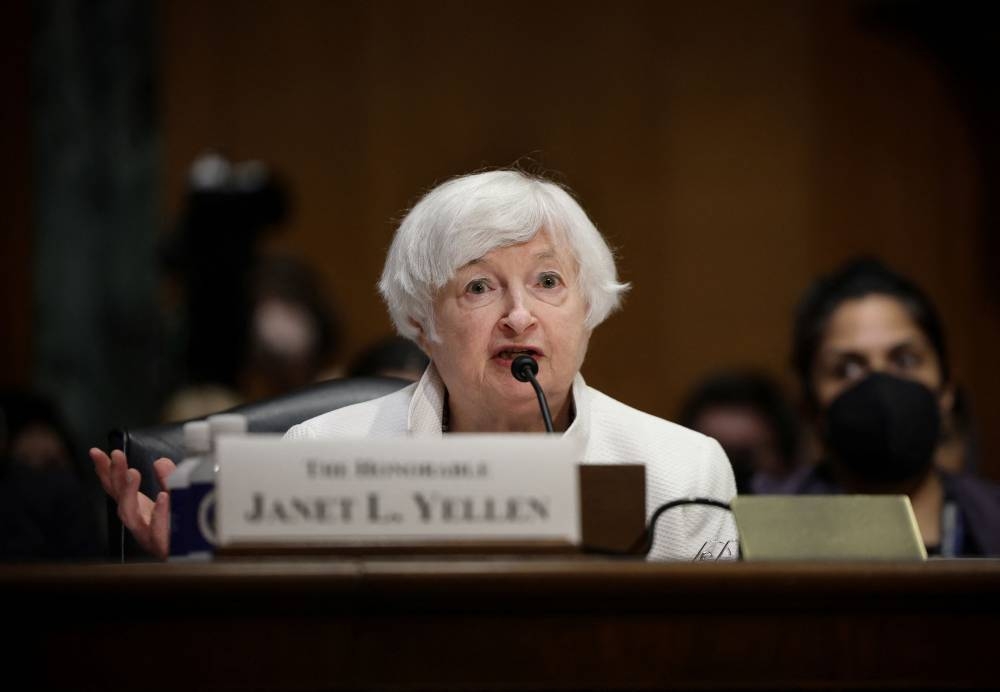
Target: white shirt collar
427,406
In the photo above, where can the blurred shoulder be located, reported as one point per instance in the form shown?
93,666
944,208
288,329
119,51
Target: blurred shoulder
384,416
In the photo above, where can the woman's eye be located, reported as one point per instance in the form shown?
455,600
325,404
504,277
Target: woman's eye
850,370
549,280
907,360
477,287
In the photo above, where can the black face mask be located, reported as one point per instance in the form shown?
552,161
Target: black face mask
884,429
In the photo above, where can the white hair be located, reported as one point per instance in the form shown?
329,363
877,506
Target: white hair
467,217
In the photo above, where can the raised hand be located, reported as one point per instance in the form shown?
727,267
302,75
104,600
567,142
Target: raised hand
147,519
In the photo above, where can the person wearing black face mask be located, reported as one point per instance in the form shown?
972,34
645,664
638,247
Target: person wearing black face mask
884,429
870,354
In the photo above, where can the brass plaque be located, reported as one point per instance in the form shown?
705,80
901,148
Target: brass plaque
828,527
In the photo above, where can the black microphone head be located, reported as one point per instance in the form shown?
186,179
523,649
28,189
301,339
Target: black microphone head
524,368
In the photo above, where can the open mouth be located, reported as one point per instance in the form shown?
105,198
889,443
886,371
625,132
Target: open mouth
512,353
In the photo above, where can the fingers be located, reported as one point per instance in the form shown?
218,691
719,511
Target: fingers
159,527
137,511
117,474
149,522
102,466
163,467
128,501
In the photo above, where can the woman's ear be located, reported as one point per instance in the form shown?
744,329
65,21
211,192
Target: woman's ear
421,337
946,399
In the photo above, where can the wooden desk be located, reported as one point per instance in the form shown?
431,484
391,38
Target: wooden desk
537,623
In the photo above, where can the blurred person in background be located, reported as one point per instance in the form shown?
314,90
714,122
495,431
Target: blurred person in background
50,505
249,325
870,353
757,426
295,335
393,356
959,448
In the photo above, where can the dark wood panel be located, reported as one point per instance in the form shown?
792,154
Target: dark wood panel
506,624
731,152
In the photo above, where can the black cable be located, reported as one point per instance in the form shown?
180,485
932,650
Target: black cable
542,403
644,543
524,368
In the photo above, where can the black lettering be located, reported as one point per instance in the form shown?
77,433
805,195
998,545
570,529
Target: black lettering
375,515
423,506
489,510
279,511
316,509
301,508
334,509
540,506
257,509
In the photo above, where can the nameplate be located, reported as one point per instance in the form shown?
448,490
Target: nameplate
458,487
828,527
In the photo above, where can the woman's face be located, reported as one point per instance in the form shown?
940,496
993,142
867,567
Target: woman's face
521,298
874,334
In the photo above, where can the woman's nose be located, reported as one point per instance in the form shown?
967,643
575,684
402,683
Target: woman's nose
519,317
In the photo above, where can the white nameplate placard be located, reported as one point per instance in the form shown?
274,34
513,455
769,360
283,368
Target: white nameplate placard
351,490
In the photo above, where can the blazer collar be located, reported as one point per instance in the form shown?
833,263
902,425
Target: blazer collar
427,406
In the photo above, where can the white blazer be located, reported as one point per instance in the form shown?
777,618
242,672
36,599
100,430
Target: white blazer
680,463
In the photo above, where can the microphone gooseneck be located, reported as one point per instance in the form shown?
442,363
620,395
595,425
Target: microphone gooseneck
524,368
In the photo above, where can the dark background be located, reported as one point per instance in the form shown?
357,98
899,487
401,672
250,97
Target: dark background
730,151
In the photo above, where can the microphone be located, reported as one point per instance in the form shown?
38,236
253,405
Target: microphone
524,368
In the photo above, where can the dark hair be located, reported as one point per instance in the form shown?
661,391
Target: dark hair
856,279
754,390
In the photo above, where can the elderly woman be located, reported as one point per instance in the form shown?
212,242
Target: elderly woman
484,268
